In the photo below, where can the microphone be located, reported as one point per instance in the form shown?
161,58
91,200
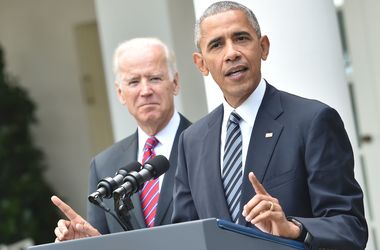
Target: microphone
134,181
107,185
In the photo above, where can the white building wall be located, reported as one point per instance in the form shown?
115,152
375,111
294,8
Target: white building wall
38,40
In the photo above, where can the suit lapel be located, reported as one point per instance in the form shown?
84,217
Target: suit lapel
166,193
211,167
265,134
137,216
130,152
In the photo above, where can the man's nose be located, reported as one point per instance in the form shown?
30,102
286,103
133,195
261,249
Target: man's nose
146,88
232,53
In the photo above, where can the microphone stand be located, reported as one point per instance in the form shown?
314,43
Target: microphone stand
122,206
99,202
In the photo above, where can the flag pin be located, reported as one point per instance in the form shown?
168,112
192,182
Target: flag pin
268,135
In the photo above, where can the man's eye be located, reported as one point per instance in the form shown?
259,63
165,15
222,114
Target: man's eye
133,83
242,38
155,79
215,45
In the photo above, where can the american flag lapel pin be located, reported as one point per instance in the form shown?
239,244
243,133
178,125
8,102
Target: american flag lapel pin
269,135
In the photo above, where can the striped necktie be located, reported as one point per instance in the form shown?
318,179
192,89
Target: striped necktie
232,166
150,192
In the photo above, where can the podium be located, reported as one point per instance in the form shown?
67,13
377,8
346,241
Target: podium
208,234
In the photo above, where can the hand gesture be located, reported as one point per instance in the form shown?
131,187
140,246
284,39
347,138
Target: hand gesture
74,228
265,212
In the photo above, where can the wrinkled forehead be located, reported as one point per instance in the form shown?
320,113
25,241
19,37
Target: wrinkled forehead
142,52
225,16
143,61
225,23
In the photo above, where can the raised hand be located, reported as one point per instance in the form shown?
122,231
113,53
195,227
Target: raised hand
74,228
265,212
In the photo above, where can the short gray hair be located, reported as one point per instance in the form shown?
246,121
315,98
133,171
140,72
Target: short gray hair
144,42
220,7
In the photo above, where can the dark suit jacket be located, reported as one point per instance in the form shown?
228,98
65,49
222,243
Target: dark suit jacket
307,165
112,159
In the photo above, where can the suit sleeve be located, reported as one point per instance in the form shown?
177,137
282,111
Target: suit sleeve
95,215
336,197
183,205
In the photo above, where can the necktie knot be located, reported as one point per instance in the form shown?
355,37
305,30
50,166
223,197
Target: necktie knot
150,143
234,117
149,146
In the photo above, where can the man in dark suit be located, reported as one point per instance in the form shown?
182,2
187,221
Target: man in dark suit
265,158
146,83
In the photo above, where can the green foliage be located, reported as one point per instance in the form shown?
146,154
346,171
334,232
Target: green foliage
25,207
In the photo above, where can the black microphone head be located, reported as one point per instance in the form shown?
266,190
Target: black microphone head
160,165
133,166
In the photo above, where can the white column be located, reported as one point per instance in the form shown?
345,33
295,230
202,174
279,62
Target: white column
169,20
363,38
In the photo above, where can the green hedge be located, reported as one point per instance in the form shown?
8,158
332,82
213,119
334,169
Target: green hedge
25,207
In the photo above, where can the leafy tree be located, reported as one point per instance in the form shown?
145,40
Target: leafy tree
25,207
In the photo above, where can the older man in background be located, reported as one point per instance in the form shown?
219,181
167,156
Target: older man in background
146,82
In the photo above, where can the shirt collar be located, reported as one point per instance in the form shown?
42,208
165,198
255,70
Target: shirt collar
249,108
164,136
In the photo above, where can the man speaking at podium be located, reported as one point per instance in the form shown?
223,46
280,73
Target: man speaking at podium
146,83
264,157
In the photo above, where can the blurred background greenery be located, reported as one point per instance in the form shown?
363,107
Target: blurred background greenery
25,208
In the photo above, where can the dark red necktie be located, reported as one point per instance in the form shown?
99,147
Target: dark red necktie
150,192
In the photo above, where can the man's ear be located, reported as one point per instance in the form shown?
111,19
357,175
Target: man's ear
119,93
265,44
176,84
200,63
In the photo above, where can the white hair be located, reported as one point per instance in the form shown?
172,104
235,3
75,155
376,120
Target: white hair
128,45
220,7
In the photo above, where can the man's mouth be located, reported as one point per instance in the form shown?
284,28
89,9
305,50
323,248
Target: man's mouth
148,104
236,70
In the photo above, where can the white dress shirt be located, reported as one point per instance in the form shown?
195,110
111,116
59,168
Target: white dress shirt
165,139
247,111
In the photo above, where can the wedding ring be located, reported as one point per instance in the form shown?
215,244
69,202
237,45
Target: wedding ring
271,206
